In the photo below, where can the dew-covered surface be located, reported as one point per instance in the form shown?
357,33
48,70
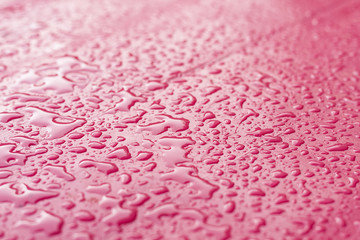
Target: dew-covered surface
173,119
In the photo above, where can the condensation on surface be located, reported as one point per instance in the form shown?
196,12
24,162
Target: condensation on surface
196,119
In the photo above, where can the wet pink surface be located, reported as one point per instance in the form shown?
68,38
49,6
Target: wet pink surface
173,119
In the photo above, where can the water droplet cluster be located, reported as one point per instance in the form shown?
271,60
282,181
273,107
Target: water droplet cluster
179,119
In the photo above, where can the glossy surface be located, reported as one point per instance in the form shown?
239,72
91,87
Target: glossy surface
179,119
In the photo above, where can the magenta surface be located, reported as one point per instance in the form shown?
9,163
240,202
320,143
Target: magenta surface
167,119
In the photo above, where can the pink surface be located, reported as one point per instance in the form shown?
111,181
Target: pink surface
179,119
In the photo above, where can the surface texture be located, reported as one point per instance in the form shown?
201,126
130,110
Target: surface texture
185,119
